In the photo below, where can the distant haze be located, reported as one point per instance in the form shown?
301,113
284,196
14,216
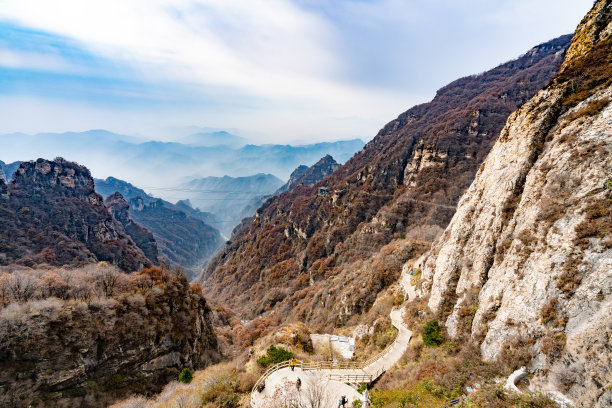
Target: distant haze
154,165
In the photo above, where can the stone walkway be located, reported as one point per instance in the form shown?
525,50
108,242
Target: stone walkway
333,383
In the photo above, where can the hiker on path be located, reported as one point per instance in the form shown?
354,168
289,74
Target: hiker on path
293,363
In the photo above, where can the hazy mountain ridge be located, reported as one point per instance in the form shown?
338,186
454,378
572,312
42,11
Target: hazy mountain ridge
128,191
309,247
171,163
182,239
230,199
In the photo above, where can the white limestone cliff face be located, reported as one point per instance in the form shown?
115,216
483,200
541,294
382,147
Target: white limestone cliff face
531,237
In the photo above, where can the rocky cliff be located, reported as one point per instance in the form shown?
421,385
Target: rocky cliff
316,257
142,237
309,176
53,216
8,170
530,246
86,337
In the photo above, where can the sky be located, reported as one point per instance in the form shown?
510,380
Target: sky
277,71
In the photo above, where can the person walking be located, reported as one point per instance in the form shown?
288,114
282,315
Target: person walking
293,363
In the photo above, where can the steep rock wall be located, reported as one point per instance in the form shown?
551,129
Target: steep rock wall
532,236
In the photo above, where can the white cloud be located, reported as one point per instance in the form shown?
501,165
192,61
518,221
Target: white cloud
287,68
17,59
267,47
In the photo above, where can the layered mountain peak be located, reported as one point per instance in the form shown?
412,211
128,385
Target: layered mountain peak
117,205
54,216
141,236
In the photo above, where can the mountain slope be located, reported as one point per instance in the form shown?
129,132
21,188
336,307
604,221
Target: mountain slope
89,336
52,215
530,246
183,236
307,255
181,239
110,185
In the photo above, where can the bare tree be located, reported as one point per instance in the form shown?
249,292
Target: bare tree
315,393
22,287
108,280
285,396
5,293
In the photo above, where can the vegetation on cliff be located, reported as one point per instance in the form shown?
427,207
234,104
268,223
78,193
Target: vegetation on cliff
85,337
50,214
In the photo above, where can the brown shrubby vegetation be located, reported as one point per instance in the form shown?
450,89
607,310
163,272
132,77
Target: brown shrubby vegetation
84,337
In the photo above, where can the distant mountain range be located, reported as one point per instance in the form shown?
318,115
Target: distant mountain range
156,163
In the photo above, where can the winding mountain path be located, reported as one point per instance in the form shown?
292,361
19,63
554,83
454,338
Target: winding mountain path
335,377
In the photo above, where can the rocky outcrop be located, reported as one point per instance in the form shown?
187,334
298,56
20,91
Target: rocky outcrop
8,170
303,249
142,237
293,178
91,351
309,176
53,216
530,246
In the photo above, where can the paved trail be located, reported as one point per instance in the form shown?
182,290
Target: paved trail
335,378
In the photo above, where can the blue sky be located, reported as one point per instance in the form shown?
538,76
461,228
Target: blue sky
278,70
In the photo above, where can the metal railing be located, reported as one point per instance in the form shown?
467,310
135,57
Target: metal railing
347,377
